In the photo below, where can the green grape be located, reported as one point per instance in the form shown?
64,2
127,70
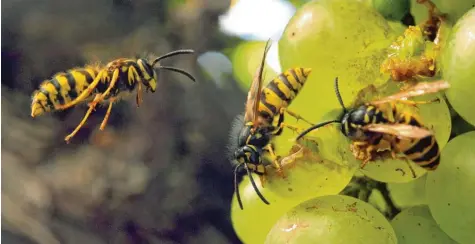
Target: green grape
409,194
332,219
246,58
256,219
377,200
449,189
435,116
392,9
336,38
458,66
416,225
398,27
453,8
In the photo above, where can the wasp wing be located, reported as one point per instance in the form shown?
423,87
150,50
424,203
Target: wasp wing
400,130
419,89
254,94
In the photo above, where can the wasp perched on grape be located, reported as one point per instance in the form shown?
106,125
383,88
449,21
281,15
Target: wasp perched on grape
414,54
95,84
264,119
380,126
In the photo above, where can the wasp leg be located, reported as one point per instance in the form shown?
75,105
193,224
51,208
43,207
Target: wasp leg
83,121
139,95
276,163
114,79
362,150
411,168
84,94
295,115
106,117
291,127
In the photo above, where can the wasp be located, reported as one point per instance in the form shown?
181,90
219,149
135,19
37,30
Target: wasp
95,84
379,126
264,119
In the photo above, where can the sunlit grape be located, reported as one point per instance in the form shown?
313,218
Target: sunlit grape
246,58
256,219
336,38
416,225
332,219
449,189
341,38
458,66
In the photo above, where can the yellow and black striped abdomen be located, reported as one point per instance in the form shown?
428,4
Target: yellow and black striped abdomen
280,91
424,152
61,89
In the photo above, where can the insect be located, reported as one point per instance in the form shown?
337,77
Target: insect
379,125
264,119
96,84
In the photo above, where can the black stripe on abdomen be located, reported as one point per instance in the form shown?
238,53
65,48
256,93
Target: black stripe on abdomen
274,87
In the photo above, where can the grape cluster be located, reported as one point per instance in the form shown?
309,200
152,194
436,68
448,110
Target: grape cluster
350,40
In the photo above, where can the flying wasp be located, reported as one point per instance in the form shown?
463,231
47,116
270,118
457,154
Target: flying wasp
96,84
379,125
264,119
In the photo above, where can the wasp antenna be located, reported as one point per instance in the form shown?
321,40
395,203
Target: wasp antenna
316,127
255,186
170,54
178,71
338,95
236,186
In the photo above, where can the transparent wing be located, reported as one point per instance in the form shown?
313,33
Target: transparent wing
417,90
400,130
254,94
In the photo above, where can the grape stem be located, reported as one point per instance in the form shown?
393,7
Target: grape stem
362,188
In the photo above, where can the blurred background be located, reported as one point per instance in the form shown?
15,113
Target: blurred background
157,174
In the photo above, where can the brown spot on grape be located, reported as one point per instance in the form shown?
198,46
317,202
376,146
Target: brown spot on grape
290,189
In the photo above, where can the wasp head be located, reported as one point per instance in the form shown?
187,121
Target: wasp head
352,124
149,75
248,154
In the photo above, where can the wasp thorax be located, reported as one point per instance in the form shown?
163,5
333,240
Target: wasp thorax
259,137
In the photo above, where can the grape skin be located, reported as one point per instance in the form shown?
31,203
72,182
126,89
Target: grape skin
458,66
408,194
332,219
449,189
416,225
